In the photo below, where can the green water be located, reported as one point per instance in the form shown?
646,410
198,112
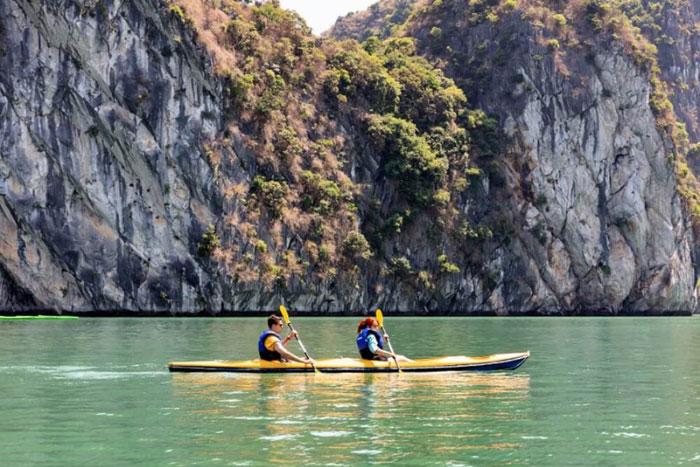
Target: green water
596,391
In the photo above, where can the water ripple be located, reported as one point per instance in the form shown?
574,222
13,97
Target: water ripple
329,434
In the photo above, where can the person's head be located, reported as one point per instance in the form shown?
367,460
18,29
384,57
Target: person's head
275,323
367,323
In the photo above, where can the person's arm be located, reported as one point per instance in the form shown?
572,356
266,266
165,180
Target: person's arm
289,355
291,336
374,348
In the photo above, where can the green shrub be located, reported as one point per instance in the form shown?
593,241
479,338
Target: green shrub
510,5
320,195
371,45
210,242
466,231
271,98
694,151
441,198
324,254
427,98
272,194
288,143
424,280
408,157
400,267
179,13
316,228
484,132
559,20
355,246
269,16
552,44
394,223
242,34
239,86
354,73
445,266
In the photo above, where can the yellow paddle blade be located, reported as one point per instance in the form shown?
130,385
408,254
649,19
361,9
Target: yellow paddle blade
285,315
380,317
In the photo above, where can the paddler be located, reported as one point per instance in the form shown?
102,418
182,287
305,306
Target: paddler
271,345
370,342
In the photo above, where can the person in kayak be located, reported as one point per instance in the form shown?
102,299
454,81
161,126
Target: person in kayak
271,345
370,342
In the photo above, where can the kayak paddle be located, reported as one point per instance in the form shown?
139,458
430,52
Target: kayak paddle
283,310
380,320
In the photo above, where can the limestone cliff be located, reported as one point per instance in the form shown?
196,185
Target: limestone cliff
120,146
103,186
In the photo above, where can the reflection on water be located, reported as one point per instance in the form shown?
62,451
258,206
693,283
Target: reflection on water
344,417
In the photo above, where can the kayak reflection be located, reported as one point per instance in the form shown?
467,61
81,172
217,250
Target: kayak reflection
343,414
343,390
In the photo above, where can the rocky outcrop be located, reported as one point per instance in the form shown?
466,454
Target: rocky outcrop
678,42
106,188
611,229
604,227
598,224
103,186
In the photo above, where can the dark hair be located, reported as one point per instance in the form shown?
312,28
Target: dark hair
273,319
365,323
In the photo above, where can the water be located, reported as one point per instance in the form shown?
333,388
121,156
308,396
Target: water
596,391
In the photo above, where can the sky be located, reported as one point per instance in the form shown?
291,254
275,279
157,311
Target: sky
321,14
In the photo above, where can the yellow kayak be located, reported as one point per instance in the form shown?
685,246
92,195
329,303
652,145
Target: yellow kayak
504,361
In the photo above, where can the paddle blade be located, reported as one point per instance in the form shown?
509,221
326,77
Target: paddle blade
285,315
380,317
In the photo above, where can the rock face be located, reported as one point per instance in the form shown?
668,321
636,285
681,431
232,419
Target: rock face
106,190
103,187
678,42
608,227
604,227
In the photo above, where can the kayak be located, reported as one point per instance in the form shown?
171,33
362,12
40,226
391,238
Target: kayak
39,317
504,361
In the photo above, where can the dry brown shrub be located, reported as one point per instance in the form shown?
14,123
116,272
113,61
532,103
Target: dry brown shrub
292,265
235,190
560,64
247,231
209,22
296,220
218,255
232,220
275,232
311,249
317,165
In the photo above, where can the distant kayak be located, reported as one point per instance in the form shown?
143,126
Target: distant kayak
39,317
505,361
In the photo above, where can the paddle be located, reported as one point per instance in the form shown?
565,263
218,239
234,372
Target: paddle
283,310
380,320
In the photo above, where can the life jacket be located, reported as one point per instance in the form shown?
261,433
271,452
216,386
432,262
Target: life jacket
363,343
269,355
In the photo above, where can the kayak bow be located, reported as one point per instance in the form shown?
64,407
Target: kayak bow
507,361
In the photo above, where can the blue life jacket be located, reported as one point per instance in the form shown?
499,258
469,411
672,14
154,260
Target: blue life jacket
363,343
269,355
